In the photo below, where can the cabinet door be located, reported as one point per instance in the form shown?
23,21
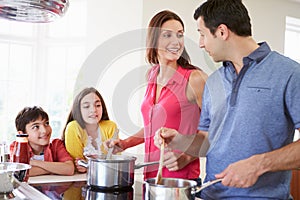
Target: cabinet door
295,184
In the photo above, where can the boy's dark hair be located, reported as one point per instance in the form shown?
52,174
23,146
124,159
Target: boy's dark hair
27,115
232,13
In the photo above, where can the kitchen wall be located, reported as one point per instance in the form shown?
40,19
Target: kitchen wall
268,20
112,29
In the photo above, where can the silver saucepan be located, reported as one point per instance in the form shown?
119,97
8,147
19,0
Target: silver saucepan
174,188
114,173
9,172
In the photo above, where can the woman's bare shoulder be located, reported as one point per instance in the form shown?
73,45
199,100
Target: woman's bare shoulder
197,77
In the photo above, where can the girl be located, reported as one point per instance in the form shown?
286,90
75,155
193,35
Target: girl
88,125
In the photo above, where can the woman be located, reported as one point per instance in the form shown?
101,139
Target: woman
88,126
172,98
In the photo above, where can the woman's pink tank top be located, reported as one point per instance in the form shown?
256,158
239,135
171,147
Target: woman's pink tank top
172,110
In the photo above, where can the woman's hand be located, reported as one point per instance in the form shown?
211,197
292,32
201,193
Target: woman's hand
117,144
174,161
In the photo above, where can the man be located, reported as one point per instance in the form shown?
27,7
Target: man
250,109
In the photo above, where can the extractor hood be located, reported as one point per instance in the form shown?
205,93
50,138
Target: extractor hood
35,11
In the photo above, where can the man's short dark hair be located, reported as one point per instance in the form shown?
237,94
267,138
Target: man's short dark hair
231,13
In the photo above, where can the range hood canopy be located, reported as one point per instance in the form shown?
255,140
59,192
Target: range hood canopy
36,11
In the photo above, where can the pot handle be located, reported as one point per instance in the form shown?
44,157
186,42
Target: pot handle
205,185
82,163
140,165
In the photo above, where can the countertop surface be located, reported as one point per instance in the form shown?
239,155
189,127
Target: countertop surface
56,178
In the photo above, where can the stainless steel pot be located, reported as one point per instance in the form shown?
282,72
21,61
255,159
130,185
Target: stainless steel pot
9,172
116,173
174,188
171,188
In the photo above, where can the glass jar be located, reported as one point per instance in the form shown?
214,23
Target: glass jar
20,152
5,155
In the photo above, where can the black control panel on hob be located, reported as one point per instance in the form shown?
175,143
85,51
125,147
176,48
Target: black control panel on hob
96,193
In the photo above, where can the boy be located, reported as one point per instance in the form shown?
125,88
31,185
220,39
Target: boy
45,157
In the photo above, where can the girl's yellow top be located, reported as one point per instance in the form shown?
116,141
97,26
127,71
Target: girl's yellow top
76,138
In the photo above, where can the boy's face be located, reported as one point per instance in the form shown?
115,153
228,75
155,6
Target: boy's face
39,133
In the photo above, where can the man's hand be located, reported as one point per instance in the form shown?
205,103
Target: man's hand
241,174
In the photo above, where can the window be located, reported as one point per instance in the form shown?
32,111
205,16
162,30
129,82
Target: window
292,38
39,65
291,47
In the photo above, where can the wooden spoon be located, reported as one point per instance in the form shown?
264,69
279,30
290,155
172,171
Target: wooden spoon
158,180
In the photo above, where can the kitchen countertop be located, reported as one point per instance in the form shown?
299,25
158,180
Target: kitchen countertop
56,178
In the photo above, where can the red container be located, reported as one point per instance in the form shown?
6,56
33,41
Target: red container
21,152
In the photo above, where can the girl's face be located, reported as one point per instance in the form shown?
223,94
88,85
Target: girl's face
39,133
91,109
170,42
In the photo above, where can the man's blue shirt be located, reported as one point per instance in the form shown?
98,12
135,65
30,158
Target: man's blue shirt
253,112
